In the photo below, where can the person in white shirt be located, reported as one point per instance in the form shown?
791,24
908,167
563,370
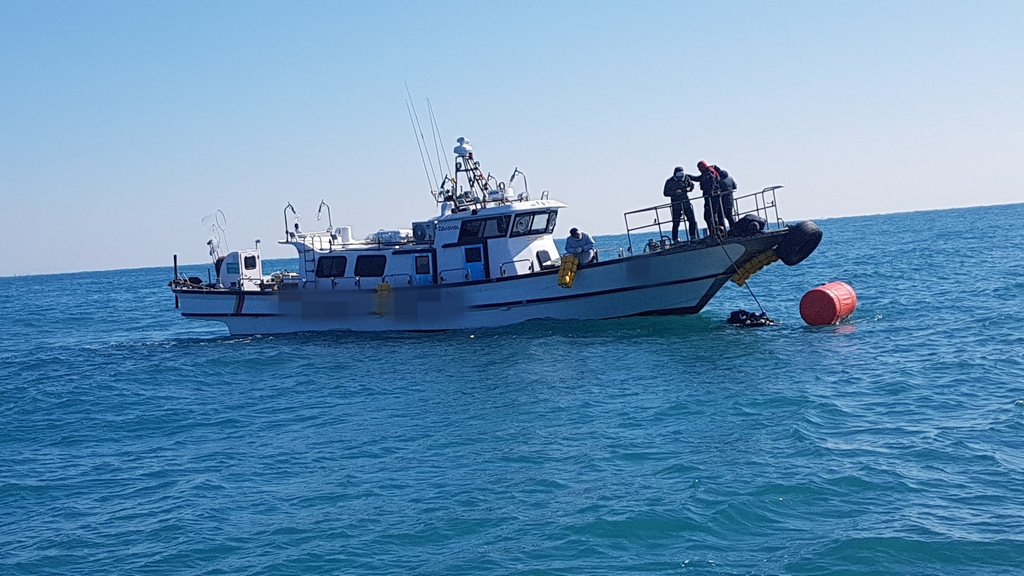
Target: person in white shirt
580,245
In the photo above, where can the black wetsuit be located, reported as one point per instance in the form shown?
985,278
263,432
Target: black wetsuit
726,187
677,189
709,189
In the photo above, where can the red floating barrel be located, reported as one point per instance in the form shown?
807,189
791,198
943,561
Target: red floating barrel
828,304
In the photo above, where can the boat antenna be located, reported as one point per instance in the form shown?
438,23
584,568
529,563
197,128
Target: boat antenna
422,159
437,137
419,131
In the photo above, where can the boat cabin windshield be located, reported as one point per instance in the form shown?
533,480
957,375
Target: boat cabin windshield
534,223
529,223
496,227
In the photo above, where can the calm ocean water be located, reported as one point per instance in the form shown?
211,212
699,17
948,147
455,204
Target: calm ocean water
134,441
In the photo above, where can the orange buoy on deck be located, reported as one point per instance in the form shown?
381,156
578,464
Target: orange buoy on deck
828,304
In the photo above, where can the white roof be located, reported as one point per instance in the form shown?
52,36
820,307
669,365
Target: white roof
510,208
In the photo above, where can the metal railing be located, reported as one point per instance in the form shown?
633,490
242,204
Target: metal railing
611,253
319,240
453,275
662,219
344,282
397,279
765,205
763,202
514,264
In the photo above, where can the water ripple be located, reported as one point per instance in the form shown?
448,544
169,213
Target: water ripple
137,442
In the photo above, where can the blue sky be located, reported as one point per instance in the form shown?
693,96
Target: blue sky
122,124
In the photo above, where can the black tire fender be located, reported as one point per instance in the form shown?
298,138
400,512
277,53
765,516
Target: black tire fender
801,240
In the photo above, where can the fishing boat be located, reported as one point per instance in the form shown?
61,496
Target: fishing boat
488,258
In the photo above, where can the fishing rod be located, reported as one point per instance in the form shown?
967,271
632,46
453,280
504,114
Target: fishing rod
418,129
418,147
436,133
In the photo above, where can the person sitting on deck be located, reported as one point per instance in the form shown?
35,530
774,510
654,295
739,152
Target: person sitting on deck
580,245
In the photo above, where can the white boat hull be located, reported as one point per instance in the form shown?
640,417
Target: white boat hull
675,281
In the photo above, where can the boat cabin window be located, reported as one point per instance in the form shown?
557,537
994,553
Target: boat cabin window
534,223
423,264
331,266
250,262
483,228
370,265
474,254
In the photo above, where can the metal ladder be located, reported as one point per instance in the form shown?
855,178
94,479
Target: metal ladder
308,259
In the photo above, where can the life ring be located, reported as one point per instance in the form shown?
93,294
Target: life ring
798,243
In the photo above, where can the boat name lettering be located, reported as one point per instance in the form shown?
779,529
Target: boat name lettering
447,227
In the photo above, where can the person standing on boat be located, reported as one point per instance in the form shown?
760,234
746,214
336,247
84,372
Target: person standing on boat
726,187
677,188
580,245
709,189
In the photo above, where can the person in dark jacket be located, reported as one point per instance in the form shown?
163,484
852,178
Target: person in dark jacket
677,188
709,189
726,187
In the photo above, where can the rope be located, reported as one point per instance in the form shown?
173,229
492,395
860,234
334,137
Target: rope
737,269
